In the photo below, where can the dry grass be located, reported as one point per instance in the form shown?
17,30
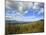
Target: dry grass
25,28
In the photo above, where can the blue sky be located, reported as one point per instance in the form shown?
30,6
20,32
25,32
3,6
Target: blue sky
24,11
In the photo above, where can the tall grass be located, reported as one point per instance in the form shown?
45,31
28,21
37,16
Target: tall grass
33,27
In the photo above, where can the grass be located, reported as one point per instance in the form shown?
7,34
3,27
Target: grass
33,27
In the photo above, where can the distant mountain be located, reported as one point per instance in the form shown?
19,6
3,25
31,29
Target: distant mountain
14,21
42,20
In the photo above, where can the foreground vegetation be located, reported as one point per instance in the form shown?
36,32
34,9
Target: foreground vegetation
29,27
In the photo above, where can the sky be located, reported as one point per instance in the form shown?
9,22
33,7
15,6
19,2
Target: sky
26,11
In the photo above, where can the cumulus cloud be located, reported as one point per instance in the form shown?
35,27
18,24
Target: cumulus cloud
41,11
19,5
18,9
24,19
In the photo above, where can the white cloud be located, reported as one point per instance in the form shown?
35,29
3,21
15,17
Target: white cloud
41,11
21,9
26,12
24,19
35,7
